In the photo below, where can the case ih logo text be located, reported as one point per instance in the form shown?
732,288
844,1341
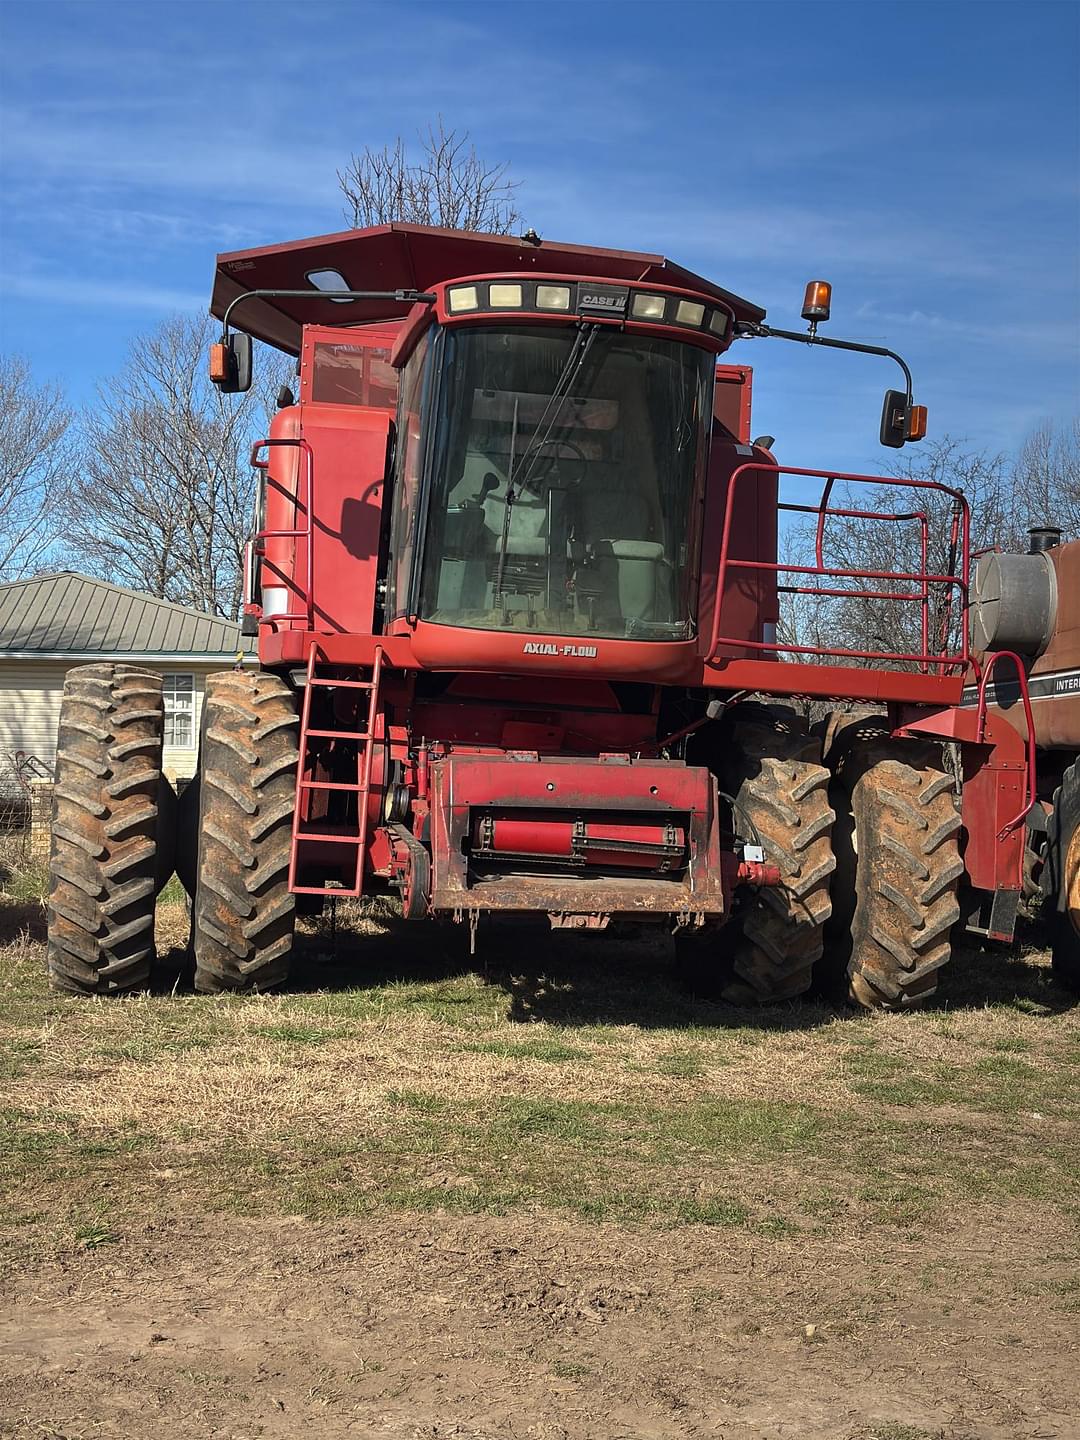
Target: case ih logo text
545,647
603,299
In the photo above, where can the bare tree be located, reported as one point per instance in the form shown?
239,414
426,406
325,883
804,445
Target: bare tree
35,462
1047,477
163,497
447,185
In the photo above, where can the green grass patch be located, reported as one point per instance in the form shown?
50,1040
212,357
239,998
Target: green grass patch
25,880
683,1064
293,1034
537,1047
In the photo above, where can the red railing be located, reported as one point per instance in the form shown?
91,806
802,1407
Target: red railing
306,532
923,580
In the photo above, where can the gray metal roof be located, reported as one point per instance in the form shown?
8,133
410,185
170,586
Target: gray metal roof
69,614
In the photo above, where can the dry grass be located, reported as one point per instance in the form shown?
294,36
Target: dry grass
395,1075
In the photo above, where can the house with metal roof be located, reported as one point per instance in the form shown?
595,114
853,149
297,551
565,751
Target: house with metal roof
50,623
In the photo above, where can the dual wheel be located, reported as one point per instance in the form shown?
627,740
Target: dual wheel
118,832
868,852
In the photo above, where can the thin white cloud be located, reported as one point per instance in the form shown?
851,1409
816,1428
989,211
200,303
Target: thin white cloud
71,289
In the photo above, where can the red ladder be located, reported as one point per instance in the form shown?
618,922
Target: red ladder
361,787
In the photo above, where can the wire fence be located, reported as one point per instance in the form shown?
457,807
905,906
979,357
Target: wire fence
25,805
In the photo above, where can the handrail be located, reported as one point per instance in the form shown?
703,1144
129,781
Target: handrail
923,578
307,533
980,729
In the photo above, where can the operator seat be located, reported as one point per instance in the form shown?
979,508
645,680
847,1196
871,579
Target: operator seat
619,525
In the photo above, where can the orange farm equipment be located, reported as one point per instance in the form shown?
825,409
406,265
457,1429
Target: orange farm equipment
515,579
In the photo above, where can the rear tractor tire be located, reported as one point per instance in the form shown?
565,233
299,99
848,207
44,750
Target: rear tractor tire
111,805
899,867
243,910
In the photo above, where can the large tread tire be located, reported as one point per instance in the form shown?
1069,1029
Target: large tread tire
1061,879
243,910
106,865
899,868
772,770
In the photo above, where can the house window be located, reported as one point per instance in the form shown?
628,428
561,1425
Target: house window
179,695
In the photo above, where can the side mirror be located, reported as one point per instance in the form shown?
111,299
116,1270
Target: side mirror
901,422
230,363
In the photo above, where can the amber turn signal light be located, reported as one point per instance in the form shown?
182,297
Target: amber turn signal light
916,425
219,363
817,300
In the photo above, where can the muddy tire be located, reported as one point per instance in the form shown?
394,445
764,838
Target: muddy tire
898,870
243,909
106,865
1061,879
772,770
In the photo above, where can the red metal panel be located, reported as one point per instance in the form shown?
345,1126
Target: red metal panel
845,682
732,399
749,599
450,647
996,789
350,443
604,793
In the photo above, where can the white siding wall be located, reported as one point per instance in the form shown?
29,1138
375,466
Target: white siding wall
30,708
30,692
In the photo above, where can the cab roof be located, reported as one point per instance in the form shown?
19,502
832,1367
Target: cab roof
414,257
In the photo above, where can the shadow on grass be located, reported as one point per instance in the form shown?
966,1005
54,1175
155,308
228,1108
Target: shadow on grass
622,976
18,917
618,977
1003,975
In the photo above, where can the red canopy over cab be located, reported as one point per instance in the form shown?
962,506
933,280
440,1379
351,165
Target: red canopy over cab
413,257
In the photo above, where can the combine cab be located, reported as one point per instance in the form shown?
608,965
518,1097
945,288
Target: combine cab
516,585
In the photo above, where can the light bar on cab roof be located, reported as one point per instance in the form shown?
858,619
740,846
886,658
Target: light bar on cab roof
617,302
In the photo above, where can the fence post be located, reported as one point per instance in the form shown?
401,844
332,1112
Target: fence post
41,803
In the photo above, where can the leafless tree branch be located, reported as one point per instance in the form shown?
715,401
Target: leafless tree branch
447,185
35,463
162,499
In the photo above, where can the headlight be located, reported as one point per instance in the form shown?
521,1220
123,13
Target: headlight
649,307
505,296
462,297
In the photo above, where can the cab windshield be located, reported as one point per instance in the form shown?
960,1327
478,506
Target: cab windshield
563,473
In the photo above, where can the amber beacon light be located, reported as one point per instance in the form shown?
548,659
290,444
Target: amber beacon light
817,301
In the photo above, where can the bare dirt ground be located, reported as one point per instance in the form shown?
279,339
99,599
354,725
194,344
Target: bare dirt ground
492,1327
562,1201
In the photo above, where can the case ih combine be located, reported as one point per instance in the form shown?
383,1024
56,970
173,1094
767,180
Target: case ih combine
515,577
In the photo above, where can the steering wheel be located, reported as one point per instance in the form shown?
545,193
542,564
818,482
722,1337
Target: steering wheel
538,476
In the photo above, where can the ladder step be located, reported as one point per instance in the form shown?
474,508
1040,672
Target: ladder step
344,684
329,839
339,734
334,890
330,785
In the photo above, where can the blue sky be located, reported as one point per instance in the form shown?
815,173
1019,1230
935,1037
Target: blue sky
923,157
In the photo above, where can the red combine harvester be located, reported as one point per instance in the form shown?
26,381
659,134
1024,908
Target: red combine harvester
515,577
